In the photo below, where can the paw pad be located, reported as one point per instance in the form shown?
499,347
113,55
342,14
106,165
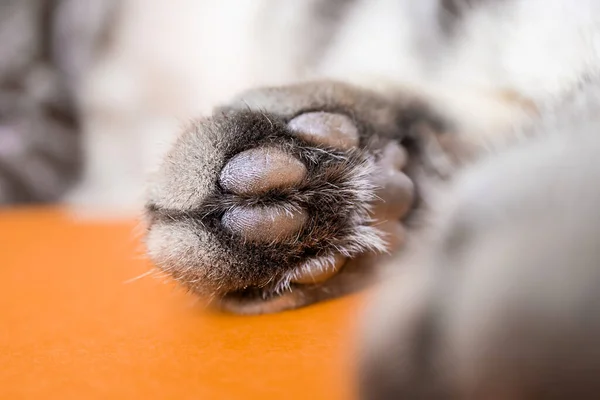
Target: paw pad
264,224
259,170
326,129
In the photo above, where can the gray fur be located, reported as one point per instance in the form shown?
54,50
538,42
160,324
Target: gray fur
40,153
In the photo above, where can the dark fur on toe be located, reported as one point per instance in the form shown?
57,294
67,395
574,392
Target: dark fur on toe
187,237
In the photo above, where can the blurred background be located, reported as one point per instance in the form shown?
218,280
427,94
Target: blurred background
92,92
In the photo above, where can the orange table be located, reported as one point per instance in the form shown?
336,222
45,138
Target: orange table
72,326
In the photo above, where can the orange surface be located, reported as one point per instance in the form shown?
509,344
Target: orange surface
72,327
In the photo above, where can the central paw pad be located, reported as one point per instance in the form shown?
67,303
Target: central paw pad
256,171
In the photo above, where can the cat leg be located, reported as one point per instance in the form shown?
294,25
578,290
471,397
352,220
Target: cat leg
503,302
282,197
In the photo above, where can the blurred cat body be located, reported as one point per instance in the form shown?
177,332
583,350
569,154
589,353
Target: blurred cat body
486,64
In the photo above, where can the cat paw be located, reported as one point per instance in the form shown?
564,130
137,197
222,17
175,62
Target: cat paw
282,198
